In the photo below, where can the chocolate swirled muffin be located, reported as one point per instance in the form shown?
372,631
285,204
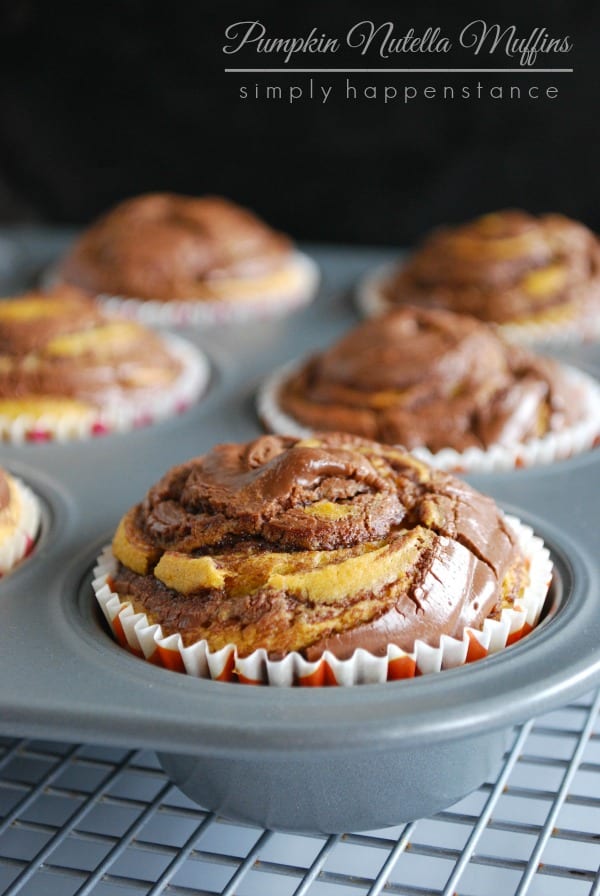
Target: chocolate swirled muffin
171,249
509,268
434,380
67,370
19,521
315,546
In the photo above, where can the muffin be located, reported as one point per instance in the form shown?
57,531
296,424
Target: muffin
443,383
67,370
19,521
283,559
538,277
181,258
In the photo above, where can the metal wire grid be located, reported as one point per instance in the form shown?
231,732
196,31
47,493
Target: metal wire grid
102,821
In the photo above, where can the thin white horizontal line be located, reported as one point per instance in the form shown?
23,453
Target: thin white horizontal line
391,71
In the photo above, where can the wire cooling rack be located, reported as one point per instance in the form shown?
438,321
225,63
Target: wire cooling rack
107,822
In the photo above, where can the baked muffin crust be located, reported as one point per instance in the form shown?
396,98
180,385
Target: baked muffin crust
58,351
421,377
168,247
505,267
329,543
19,521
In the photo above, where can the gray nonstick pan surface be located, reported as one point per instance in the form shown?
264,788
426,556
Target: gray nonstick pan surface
314,759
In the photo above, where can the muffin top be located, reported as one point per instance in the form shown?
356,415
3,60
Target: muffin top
504,267
420,377
13,512
328,543
58,347
4,491
163,246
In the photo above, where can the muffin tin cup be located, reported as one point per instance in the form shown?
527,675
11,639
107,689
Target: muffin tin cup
554,446
559,327
20,543
204,313
146,640
119,416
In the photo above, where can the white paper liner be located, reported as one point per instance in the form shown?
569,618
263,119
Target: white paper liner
369,296
200,313
119,416
580,436
16,546
371,301
147,641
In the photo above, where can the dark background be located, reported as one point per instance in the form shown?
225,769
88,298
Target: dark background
99,102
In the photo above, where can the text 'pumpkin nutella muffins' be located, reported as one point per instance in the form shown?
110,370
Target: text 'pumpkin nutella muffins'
68,371
19,521
538,278
443,385
169,259
319,561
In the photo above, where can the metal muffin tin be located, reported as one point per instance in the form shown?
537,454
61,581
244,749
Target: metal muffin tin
305,759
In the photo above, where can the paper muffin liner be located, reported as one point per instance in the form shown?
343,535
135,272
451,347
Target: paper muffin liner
559,445
117,416
19,544
560,326
369,296
201,313
134,632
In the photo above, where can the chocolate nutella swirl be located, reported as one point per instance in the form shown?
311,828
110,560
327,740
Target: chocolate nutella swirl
504,267
163,246
332,543
430,378
263,491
